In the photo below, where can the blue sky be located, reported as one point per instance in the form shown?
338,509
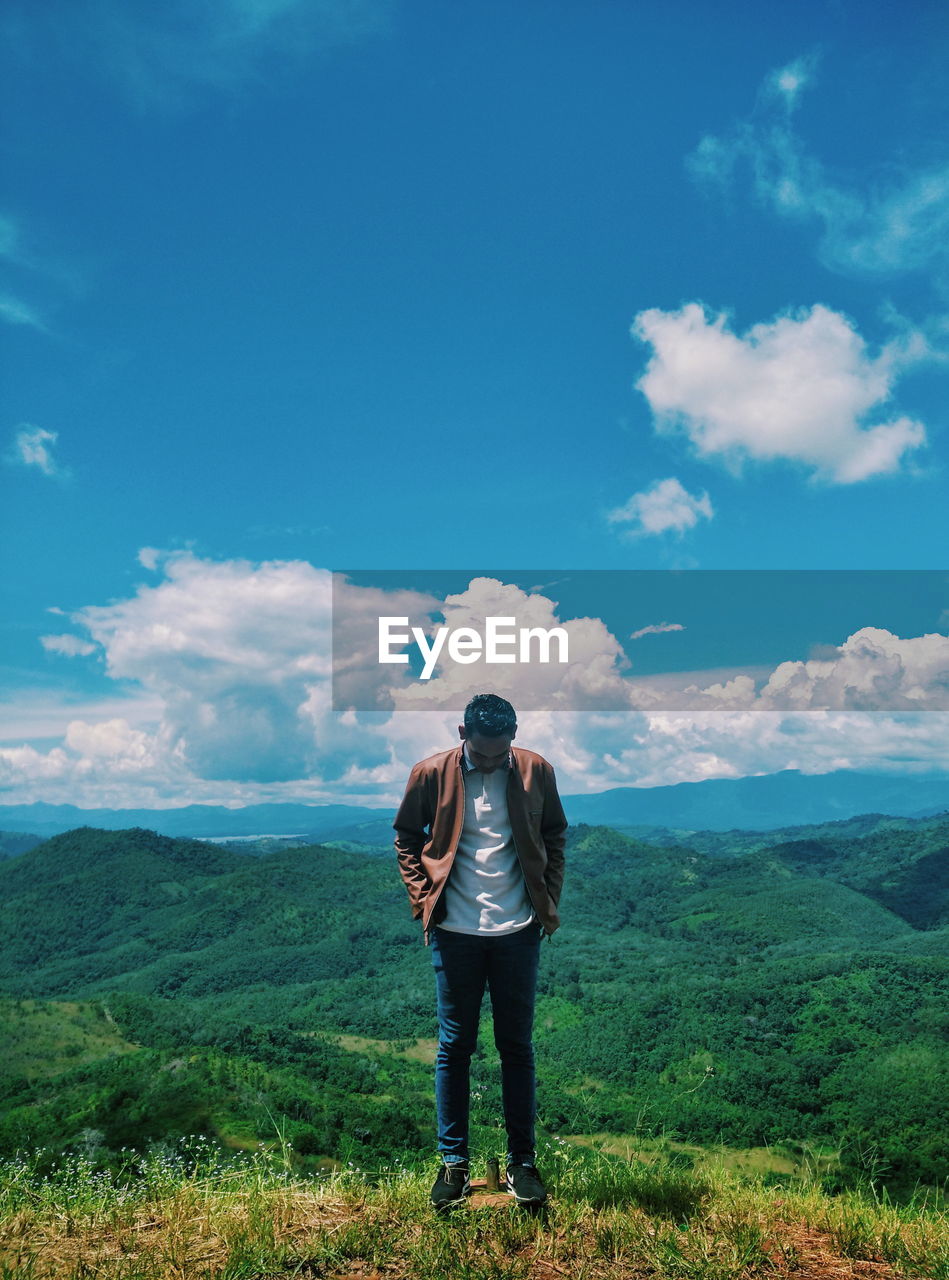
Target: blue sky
289,286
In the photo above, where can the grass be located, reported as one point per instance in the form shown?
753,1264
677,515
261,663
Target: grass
416,1049
44,1037
798,1161
193,1213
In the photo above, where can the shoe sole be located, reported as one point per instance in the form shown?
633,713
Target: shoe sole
445,1206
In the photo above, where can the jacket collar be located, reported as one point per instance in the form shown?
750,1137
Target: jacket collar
468,767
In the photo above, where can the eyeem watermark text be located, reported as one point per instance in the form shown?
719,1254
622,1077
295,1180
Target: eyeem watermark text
501,642
642,641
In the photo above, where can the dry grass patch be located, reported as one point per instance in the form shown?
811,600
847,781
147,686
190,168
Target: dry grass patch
198,1232
413,1050
607,1220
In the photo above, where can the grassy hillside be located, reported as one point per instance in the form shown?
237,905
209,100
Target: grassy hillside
184,1213
72,1081
796,991
40,1036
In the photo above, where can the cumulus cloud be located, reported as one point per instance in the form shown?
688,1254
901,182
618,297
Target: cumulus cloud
125,748
33,447
240,656
801,388
873,669
231,648
100,764
890,224
592,751
593,676
225,673
665,507
595,752
359,679
232,664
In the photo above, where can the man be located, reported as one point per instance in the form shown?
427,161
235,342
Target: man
480,841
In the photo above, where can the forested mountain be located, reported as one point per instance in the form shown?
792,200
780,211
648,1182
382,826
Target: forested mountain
749,993
14,842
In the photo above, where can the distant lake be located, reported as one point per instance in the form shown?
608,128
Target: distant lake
264,835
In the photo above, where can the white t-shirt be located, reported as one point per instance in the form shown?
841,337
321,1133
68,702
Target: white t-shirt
486,892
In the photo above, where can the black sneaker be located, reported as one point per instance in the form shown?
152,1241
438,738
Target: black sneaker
451,1186
524,1184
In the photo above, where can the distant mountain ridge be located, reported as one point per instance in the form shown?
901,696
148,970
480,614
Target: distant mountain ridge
764,803
195,820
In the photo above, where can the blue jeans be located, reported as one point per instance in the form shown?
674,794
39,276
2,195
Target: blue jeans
464,965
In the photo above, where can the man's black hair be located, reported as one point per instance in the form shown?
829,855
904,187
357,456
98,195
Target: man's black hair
491,716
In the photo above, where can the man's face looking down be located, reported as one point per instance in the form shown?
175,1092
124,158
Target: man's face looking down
486,754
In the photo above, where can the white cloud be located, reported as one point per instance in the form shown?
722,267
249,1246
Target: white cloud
105,764
592,677
44,715
231,649
359,680
882,226
115,741
594,753
225,668
33,447
873,669
801,388
26,767
788,82
665,507
240,656
656,629
69,646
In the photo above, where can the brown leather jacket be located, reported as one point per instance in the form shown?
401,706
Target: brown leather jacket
428,828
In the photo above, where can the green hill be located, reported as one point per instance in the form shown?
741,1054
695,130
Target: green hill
750,997
40,1037
89,910
13,843
253,1088
905,869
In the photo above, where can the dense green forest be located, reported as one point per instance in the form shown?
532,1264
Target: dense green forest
744,988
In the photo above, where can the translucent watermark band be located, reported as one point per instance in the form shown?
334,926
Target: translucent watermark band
642,640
